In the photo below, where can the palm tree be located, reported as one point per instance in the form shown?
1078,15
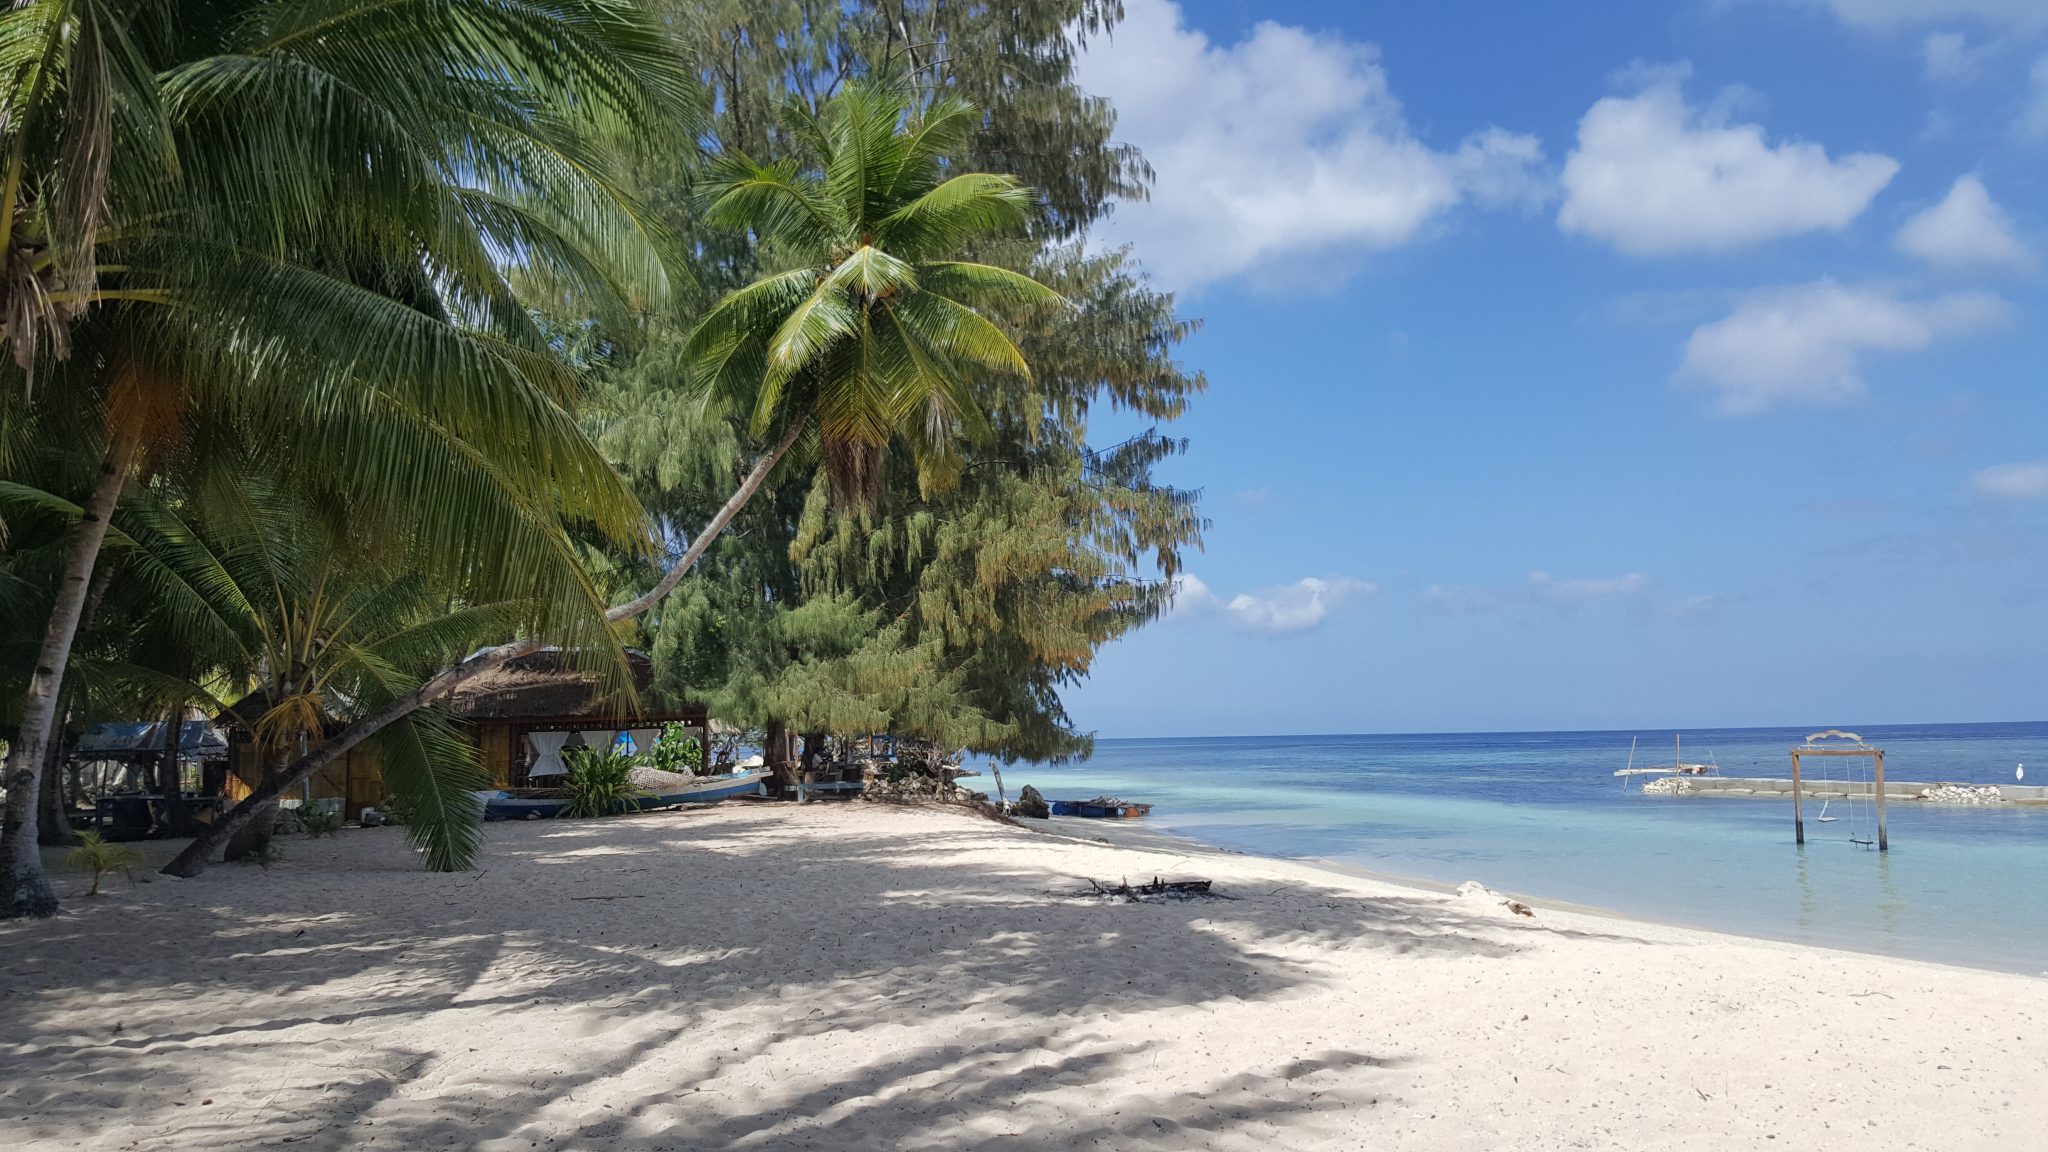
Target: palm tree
871,334
327,622
328,218
875,327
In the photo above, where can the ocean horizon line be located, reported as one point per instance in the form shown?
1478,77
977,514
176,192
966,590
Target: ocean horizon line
1635,731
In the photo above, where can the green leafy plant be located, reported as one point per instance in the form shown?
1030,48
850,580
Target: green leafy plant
98,857
677,751
320,820
600,782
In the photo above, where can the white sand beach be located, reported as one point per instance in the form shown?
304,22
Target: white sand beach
853,976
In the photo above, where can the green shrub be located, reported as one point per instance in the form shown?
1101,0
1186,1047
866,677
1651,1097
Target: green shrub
319,820
677,751
98,857
600,782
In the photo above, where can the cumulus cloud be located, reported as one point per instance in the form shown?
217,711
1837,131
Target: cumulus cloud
1652,175
1279,150
1805,344
1294,607
1287,608
1966,230
2024,14
2025,481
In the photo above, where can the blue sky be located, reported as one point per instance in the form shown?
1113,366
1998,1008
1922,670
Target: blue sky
1596,365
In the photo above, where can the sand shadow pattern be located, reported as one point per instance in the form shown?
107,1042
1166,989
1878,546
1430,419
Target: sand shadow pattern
362,995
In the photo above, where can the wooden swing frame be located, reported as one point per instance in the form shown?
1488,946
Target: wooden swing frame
1814,746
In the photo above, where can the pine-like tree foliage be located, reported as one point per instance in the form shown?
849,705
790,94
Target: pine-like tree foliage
954,614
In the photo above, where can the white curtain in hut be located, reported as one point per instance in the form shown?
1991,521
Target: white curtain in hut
600,741
643,739
547,754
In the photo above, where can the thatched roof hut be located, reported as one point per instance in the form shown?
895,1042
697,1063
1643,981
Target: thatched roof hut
547,685
541,692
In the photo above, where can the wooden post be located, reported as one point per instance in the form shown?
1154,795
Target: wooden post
1883,845
1798,821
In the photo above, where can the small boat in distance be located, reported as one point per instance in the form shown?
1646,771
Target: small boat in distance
1677,767
1101,807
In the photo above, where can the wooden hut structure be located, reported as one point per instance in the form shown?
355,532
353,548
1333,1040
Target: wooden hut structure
541,692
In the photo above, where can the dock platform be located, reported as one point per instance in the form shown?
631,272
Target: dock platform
1740,786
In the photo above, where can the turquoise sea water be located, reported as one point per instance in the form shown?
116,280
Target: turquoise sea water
1541,815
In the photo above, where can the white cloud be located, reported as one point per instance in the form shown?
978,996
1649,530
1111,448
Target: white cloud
1691,608
2033,122
1551,590
1462,600
2027,481
1652,175
1966,230
1901,13
1288,608
1949,58
1279,150
1294,607
1804,344
1191,594
1633,592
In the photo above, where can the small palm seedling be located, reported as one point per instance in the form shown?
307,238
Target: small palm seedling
98,857
600,782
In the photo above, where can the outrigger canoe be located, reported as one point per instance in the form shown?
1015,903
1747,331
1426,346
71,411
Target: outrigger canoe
501,805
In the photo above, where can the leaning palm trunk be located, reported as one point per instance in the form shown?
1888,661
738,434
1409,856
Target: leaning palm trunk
23,889
54,823
264,799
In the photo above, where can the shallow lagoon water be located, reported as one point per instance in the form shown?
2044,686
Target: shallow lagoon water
1541,815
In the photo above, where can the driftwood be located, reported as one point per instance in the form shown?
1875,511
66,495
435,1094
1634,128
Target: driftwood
1125,890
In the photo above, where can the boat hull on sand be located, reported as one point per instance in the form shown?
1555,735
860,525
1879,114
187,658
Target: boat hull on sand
1090,808
703,790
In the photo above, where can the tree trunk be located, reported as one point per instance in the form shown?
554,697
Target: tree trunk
198,854
253,837
775,756
54,823
23,889
177,815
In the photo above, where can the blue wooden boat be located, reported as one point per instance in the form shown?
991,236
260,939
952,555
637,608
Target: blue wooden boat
1102,807
500,805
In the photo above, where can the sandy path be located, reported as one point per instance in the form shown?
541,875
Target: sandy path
851,977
